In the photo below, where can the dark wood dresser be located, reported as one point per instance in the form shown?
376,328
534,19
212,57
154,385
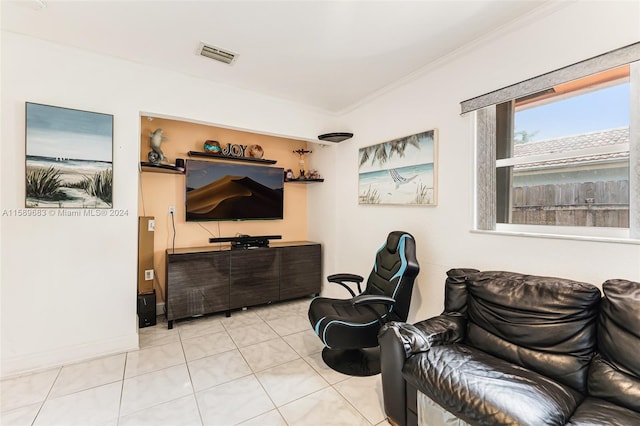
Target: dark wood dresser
204,280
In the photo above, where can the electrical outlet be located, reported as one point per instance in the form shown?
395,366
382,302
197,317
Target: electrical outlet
172,209
151,226
148,274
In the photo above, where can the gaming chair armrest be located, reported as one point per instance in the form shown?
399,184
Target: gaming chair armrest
367,300
372,299
342,279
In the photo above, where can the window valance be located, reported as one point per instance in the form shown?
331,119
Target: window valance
612,59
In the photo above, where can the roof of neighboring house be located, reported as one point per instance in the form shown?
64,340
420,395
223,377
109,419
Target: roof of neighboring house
574,143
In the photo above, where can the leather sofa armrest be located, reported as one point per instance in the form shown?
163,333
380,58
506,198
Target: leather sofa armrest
398,341
420,337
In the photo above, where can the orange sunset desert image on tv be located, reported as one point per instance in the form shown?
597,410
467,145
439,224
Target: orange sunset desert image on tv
220,191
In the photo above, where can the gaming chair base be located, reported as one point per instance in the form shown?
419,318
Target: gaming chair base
353,362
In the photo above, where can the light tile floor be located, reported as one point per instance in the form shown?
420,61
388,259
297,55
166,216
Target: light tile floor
262,366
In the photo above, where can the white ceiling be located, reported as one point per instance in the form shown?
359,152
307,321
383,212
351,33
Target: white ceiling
326,54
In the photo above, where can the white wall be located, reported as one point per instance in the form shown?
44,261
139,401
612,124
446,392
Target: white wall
68,284
545,41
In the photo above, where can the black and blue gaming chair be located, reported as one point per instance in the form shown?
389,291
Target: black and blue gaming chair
349,327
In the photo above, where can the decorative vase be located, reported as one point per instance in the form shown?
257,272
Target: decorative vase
153,157
255,151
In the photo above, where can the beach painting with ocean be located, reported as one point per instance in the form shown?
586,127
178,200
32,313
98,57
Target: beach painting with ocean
69,158
401,171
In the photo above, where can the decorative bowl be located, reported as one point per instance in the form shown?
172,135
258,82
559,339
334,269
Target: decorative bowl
212,146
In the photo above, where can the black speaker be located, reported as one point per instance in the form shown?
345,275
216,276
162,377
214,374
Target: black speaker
180,162
146,309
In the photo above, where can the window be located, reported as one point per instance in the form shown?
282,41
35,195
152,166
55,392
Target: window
566,162
560,153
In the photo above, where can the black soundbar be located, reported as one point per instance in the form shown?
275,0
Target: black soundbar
245,239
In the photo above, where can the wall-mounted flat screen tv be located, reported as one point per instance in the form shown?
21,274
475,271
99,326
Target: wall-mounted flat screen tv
233,191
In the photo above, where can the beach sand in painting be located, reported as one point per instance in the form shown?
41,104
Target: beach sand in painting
71,172
388,194
413,185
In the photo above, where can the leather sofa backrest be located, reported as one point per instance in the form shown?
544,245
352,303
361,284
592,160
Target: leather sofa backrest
455,290
541,323
615,374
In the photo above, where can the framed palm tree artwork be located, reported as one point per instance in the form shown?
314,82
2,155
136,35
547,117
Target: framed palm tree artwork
400,171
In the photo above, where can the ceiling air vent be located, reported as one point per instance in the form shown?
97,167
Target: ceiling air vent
216,53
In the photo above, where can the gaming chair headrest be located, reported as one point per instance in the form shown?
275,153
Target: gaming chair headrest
393,240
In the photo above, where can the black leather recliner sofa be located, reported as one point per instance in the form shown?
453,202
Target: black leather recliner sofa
513,349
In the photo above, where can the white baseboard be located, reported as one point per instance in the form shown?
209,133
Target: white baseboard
32,363
160,309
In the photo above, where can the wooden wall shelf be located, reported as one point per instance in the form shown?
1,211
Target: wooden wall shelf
213,156
304,180
161,168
